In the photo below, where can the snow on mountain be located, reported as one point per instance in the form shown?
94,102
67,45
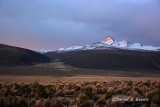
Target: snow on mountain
144,47
110,42
42,51
122,43
97,45
70,48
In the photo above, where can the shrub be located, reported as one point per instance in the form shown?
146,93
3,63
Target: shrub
96,98
100,91
75,95
84,97
35,85
25,89
66,102
22,103
119,91
77,88
59,93
130,83
39,103
139,83
101,101
46,103
54,103
95,82
61,86
39,90
88,92
109,94
138,90
17,86
154,96
52,90
88,103
67,92
156,99
148,83
85,84
105,83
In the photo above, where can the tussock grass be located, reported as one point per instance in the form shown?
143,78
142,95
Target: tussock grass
70,94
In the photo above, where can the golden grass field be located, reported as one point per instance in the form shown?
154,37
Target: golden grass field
60,85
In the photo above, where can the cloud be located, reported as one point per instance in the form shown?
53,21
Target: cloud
51,24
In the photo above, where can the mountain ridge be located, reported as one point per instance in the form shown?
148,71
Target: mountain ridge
110,42
110,55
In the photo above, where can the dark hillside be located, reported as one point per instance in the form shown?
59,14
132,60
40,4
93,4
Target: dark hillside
110,59
14,56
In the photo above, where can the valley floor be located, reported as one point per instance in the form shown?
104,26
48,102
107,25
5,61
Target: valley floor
59,69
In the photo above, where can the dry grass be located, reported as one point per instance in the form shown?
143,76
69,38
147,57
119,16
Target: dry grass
79,93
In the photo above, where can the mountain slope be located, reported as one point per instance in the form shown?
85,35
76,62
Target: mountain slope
14,56
110,59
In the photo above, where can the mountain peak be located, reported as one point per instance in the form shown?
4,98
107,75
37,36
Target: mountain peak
108,40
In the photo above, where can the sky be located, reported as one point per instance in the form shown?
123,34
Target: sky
54,24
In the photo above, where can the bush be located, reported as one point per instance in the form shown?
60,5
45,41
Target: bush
109,94
101,101
138,90
148,83
46,103
88,103
51,89
84,97
39,90
130,83
153,95
25,89
61,86
77,88
95,82
17,86
88,92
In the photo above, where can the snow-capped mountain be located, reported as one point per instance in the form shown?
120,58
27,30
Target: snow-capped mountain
71,48
42,51
122,43
97,45
144,47
109,42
